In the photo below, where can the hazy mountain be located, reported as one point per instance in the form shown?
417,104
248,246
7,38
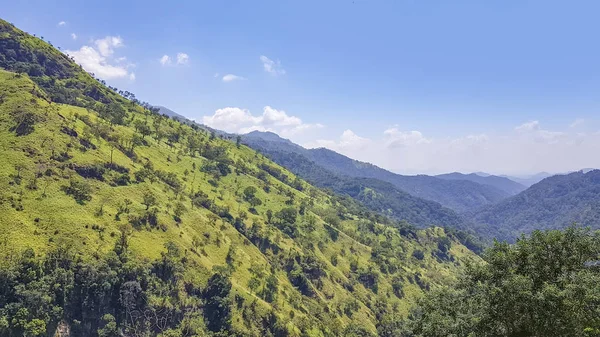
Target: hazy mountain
554,202
459,195
501,183
166,111
528,180
377,195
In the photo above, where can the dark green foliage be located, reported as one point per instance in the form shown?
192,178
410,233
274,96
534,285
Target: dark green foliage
538,287
286,221
114,113
553,203
357,330
287,215
147,218
79,189
105,298
217,310
200,199
249,192
418,254
61,79
24,121
369,278
218,169
91,171
149,199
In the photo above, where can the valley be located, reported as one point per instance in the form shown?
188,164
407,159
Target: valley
120,217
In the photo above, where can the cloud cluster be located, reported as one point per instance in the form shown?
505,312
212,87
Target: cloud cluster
528,148
232,77
241,121
272,67
62,23
99,60
180,59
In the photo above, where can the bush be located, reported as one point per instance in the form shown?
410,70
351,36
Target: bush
80,190
418,254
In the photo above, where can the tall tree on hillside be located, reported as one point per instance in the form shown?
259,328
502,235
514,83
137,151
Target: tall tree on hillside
547,285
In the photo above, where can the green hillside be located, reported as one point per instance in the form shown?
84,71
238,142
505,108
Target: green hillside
553,203
319,165
117,220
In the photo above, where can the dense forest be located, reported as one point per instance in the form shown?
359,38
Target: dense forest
545,285
553,203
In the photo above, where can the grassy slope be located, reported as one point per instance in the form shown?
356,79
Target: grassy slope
27,219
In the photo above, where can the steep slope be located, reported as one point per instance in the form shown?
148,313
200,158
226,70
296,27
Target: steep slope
504,184
458,195
553,203
115,220
377,195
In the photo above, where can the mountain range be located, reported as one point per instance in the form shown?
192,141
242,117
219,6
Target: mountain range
502,183
553,203
458,195
118,221
529,180
491,206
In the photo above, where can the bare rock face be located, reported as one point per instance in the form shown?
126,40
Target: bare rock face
62,330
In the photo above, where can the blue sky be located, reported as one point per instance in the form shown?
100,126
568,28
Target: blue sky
414,86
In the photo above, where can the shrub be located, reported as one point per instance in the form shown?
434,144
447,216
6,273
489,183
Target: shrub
80,190
418,254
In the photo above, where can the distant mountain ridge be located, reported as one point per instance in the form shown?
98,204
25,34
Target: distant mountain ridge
552,203
530,180
377,195
459,195
166,111
502,183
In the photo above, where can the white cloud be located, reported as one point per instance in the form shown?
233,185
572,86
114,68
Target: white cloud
397,138
74,36
529,126
348,143
232,77
165,60
107,45
182,58
132,76
241,121
98,58
577,122
272,67
532,130
62,23
529,148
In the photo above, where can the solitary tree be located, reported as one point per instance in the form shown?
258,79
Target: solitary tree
149,199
